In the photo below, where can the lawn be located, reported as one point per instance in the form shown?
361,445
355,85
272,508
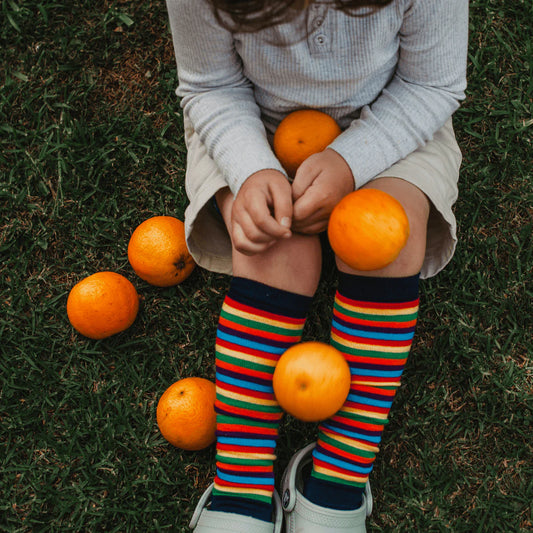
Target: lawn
91,145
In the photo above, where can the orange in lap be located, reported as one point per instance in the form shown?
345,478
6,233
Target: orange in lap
301,134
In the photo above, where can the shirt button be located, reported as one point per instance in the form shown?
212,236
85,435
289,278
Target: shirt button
320,39
318,22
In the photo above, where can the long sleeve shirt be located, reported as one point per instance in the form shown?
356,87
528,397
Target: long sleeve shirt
390,79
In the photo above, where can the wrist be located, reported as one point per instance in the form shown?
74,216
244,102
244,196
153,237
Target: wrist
239,178
342,170
267,173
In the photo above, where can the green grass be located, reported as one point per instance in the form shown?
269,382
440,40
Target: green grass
91,144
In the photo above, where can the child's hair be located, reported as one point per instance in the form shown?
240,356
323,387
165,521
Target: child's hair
254,15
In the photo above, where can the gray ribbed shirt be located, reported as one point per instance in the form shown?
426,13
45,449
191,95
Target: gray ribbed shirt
391,80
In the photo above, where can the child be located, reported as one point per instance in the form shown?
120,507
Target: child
392,73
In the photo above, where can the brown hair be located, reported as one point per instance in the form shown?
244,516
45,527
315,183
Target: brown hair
253,15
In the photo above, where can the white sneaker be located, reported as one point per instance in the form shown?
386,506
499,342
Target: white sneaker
303,516
205,521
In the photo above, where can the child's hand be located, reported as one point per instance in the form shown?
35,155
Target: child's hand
262,212
321,181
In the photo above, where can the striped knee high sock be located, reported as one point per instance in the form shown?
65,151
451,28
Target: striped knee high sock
373,326
257,324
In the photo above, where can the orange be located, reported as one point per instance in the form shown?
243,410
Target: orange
367,229
186,413
301,134
102,304
158,253
311,381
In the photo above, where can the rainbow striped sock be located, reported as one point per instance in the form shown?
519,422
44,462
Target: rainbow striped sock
374,321
257,324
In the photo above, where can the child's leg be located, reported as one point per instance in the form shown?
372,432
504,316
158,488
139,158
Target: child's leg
293,265
262,315
374,320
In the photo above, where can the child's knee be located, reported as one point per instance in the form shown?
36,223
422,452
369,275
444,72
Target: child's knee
292,264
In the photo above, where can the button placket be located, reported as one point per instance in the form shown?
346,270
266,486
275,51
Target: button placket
318,39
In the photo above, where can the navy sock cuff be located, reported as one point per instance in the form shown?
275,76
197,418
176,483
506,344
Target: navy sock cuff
333,495
242,506
270,299
371,289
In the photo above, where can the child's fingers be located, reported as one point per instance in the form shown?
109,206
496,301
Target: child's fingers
282,208
311,227
263,210
244,244
270,227
257,220
254,229
304,178
314,223
310,203
268,210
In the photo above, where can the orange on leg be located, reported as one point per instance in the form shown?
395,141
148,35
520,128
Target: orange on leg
367,229
311,381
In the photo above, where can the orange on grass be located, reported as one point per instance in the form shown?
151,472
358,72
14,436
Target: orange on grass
311,381
158,253
102,304
367,229
301,134
186,413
